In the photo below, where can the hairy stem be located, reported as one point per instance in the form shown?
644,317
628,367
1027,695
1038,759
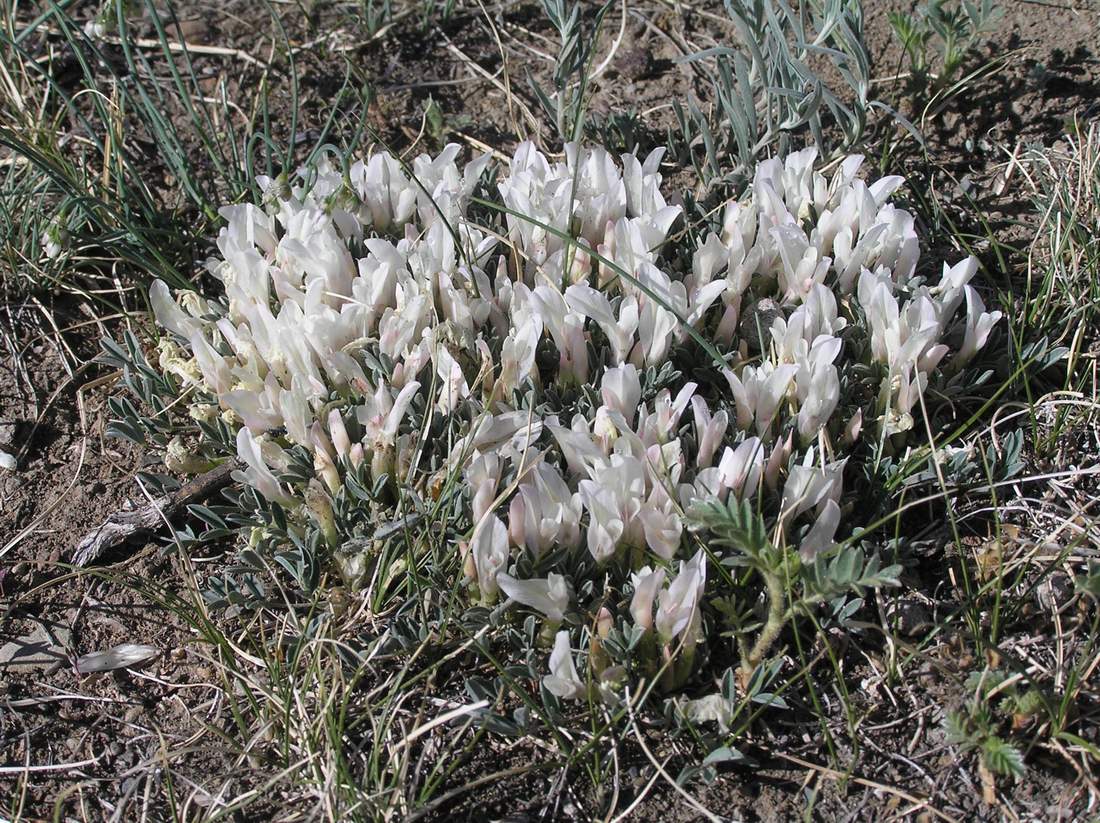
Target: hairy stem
777,618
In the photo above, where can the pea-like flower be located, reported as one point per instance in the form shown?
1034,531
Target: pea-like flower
549,595
678,608
489,550
563,680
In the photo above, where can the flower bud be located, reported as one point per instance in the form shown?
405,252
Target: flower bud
381,462
179,458
598,659
320,508
352,565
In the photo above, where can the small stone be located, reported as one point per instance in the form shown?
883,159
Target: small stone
44,648
756,323
195,31
908,617
635,63
1054,592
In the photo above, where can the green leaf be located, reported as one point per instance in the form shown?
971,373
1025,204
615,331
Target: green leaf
724,754
735,524
1090,583
1002,758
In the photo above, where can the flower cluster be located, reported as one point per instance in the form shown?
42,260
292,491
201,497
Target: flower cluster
586,384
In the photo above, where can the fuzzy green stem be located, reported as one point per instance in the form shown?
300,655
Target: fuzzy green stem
777,618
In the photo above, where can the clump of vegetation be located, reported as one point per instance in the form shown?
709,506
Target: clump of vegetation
380,358
979,725
938,38
771,86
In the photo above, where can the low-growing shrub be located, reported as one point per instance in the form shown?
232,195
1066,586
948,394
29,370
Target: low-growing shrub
660,450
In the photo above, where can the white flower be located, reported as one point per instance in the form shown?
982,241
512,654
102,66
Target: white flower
388,195
613,498
578,446
777,460
647,583
257,473
381,414
563,680
679,603
605,523
663,529
374,292
820,536
586,301
810,485
483,477
169,315
817,386
324,457
517,360
758,393
549,595
655,330
95,29
739,469
713,708
453,385
567,329
803,266
311,250
621,389
53,240
979,323
709,431
547,514
508,432
489,547
662,424
642,182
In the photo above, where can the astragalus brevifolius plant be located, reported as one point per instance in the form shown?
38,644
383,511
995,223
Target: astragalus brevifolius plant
641,443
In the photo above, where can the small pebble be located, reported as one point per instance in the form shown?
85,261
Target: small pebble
1054,592
908,617
756,323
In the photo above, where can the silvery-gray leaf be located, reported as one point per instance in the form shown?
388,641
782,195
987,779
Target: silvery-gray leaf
394,526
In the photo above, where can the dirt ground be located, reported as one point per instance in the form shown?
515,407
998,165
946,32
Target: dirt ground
92,738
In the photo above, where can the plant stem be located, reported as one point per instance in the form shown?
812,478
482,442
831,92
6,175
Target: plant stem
774,625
